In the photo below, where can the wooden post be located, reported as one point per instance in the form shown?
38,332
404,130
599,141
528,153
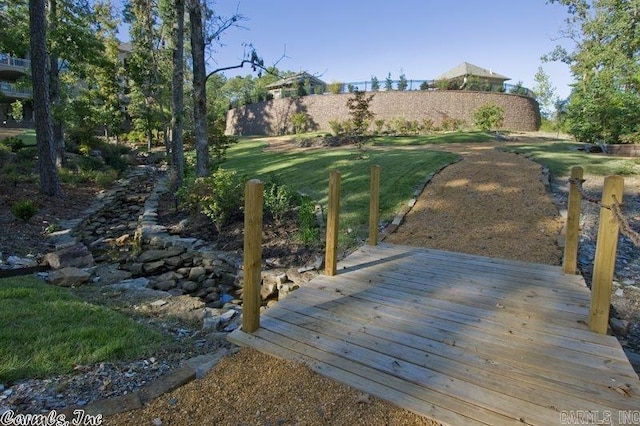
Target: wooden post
605,260
570,260
333,218
374,205
253,193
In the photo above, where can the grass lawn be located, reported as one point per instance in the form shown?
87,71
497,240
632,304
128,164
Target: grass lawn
28,137
308,172
560,156
45,330
435,139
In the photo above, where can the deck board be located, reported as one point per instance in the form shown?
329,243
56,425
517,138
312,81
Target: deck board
459,338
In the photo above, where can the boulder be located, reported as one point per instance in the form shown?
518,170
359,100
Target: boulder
77,256
69,277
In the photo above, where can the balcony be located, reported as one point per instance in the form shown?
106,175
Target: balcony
13,68
13,91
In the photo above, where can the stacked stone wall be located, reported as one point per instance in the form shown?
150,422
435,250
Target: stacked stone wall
521,113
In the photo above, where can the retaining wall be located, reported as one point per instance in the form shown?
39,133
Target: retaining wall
521,113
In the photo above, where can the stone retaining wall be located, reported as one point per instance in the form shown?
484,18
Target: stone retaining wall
521,113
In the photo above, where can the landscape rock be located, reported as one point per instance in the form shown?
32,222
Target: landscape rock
69,277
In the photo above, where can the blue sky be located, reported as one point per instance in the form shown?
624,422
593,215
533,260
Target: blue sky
350,41
353,40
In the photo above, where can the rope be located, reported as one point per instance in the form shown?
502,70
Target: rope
616,208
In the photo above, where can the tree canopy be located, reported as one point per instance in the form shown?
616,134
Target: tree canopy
605,99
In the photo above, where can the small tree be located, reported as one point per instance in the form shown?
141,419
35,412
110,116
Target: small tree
359,110
388,83
489,116
375,84
335,87
17,110
402,83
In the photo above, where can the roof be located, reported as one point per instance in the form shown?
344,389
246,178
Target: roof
295,79
467,69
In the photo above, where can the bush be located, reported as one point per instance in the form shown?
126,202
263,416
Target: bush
278,200
308,229
14,143
336,127
489,116
300,122
24,210
219,196
335,87
451,124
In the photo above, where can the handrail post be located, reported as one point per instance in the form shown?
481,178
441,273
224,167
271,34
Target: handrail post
605,258
374,205
333,218
570,258
253,200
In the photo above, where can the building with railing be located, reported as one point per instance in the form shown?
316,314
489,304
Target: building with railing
12,70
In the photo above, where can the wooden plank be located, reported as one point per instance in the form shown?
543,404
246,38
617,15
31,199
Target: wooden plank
541,354
462,390
462,339
474,263
573,326
520,384
416,398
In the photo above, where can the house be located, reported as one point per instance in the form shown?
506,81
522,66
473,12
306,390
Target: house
472,77
302,83
11,70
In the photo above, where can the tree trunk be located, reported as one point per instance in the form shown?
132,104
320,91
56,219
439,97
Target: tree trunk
54,91
49,182
177,95
199,88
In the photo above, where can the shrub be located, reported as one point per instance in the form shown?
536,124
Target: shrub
488,116
630,138
336,127
300,122
424,85
427,125
278,200
24,210
452,124
335,87
379,125
14,143
219,196
308,229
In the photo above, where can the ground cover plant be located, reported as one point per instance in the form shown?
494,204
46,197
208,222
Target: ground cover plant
46,330
307,172
560,156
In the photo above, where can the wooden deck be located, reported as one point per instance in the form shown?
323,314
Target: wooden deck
458,338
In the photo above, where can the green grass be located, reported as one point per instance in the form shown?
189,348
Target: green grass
28,137
559,157
46,330
435,139
308,172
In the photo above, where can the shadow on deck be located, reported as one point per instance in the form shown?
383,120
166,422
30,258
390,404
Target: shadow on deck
458,338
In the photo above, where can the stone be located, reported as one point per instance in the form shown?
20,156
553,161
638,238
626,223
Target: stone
132,284
69,277
190,286
19,262
110,274
165,285
153,267
619,326
196,272
156,254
